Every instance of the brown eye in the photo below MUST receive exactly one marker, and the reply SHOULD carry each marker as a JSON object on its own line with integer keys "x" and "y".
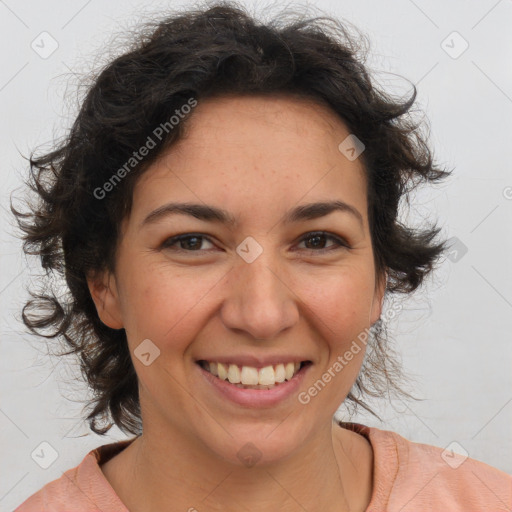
{"x": 317, "y": 241}
{"x": 189, "y": 242}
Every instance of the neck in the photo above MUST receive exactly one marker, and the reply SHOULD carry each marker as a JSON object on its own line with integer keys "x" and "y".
{"x": 331, "y": 472}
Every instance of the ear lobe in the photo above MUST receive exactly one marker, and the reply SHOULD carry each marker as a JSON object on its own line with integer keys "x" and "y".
{"x": 103, "y": 290}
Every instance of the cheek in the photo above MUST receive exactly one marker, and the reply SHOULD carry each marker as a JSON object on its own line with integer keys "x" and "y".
{"x": 340, "y": 309}
{"x": 341, "y": 303}
{"x": 164, "y": 306}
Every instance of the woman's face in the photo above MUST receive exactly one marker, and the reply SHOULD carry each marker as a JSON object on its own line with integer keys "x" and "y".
{"x": 263, "y": 290}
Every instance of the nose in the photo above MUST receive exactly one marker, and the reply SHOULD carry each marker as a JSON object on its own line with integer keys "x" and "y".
{"x": 259, "y": 300}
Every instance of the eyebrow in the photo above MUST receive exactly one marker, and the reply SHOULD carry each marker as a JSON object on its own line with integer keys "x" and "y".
{"x": 213, "y": 214}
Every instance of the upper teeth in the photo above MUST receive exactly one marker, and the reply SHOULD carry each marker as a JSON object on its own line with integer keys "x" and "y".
{"x": 250, "y": 375}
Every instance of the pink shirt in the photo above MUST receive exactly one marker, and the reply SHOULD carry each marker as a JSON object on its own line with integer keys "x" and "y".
{"x": 407, "y": 477}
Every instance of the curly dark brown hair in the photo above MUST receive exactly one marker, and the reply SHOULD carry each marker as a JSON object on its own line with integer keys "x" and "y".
{"x": 203, "y": 53}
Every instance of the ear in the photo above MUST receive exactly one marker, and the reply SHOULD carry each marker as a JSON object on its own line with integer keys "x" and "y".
{"x": 104, "y": 293}
{"x": 378, "y": 297}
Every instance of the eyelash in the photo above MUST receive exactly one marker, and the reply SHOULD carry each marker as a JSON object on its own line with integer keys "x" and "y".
{"x": 340, "y": 242}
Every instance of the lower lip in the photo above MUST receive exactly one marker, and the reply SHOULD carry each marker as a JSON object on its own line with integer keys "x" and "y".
{"x": 256, "y": 397}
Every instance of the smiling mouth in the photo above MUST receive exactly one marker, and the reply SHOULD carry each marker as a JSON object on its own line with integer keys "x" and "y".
{"x": 249, "y": 377}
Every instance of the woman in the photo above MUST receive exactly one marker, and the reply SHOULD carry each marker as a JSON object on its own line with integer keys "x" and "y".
{"x": 224, "y": 211}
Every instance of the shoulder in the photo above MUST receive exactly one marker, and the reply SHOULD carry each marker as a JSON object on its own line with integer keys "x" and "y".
{"x": 433, "y": 475}
{"x": 419, "y": 477}
{"x": 83, "y": 488}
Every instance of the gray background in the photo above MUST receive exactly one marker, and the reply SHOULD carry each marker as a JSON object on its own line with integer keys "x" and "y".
{"x": 454, "y": 336}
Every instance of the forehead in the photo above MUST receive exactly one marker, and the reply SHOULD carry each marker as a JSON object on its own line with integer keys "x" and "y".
{"x": 277, "y": 112}
{"x": 259, "y": 150}
{"x": 271, "y": 124}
